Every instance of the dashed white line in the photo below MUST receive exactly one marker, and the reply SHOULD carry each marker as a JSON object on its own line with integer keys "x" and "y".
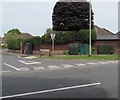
{"x": 67, "y": 65}
{"x": 5, "y": 71}
{"x": 23, "y": 69}
{"x": 101, "y": 62}
{"x": 53, "y": 66}
{"x": 39, "y": 68}
{"x": 116, "y": 61}
{"x": 51, "y": 90}
{"x": 111, "y": 62}
{"x": 92, "y": 63}
{"x": 81, "y": 64}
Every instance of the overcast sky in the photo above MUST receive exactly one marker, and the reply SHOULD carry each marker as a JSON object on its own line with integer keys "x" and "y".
{"x": 35, "y": 17}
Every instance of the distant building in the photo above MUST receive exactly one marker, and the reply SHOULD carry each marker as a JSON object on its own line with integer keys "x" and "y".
{"x": 105, "y": 37}
{"x": 118, "y": 34}
{"x": 25, "y": 36}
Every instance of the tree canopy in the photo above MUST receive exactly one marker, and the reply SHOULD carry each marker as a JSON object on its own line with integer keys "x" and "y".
{"x": 12, "y": 40}
{"x": 71, "y": 16}
{"x": 14, "y": 31}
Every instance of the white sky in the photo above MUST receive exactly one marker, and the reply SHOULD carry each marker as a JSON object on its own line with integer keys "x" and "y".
{"x": 35, "y": 17}
{"x": 54, "y": 0}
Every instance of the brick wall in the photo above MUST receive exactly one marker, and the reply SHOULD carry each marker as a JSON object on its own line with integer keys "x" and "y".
{"x": 60, "y": 48}
{"x": 56, "y": 47}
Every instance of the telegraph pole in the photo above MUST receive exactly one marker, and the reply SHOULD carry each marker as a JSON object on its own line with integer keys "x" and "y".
{"x": 90, "y": 29}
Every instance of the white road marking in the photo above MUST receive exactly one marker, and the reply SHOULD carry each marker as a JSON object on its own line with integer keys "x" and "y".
{"x": 5, "y": 71}
{"x": 18, "y": 69}
{"x": 116, "y": 61}
{"x": 38, "y": 68}
{"x": 108, "y": 62}
{"x": 11, "y": 66}
{"x": 111, "y": 61}
{"x": 67, "y": 65}
{"x": 51, "y": 90}
{"x": 53, "y": 66}
{"x": 81, "y": 64}
{"x": 29, "y": 63}
{"x": 23, "y": 69}
{"x": 19, "y": 56}
{"x": 92, "y": 63}
{"x": 101, "y": 62}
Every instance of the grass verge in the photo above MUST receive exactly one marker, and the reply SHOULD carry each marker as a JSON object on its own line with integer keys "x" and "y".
{"x": 93, "y": 57}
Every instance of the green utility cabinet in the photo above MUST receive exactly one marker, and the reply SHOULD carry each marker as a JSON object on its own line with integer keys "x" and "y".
{"x": 71, "y": 52}
{"x": 73, "y": 49}
{"x": 84, "y": 49}
{"x": 76, "y": 49}
{"x": 28, "y": 48}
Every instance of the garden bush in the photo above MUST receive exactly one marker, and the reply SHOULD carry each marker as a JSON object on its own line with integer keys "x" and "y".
{"x": 93, "y": 51}
{"x": 66, "y": 52}
{"x": 12, "y": 41}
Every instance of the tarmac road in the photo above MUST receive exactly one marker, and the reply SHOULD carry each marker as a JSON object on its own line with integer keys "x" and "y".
{"x": 40, "y": 78}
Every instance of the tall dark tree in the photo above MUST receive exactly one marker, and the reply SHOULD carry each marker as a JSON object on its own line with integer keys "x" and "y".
{"x": 71, "y": 15}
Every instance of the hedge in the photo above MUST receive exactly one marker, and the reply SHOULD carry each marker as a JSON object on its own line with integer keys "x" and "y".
{"x": 64, "y": 37}
{"x": 33, "y": 40}
{"x": 105, "y": 49}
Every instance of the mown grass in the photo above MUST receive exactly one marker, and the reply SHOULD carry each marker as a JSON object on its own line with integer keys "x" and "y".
{"x": 93, "y": 57}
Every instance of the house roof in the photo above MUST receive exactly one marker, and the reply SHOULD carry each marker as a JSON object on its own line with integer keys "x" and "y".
{"x": 104, "y": 34}
{"x": 25, "y": 36}
{"x": 118, "y": 34}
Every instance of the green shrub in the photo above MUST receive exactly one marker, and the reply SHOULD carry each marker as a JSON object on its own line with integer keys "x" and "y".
{"x": 0, "y": 45}
{"x": 12, "y": 41}
{"x": 93, "y": 51}
{"x": 105, "y": 49}
{"x": 4, "y": 46}
{"x": 14, "y": 31}
{"x": 83, "y": 35}
{"x": 42, "y": 40}
{"x": 66, "y": 52}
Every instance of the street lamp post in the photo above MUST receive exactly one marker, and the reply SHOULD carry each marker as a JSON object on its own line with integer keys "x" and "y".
{"x": 90, "y": 28}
